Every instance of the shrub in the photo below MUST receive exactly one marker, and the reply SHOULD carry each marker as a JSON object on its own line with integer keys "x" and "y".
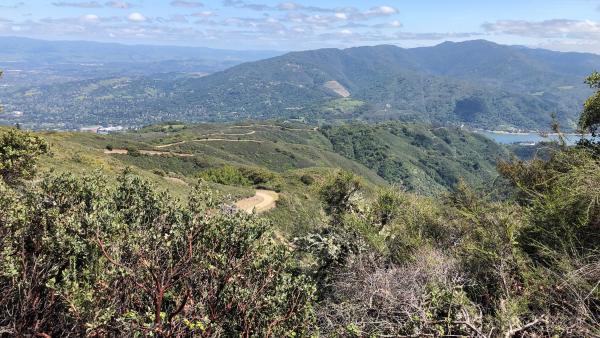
{"x": 133, "y": 151}
{"x": 132, "y": 261}
{"x": 159, "y": 172}
{"x": 19, "y": 151}
{"x": 307, "y": 179}
{"x": 227, "y": 175}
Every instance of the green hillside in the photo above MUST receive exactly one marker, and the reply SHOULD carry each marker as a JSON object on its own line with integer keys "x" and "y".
{"x": 143, "y": 252}
{"x": 420, "y": 158}
{"x": 291, "y": 158}
{"x": 478, "y": 83}
{"x": 137, "y": 234}
{"x": 426, "y": 160}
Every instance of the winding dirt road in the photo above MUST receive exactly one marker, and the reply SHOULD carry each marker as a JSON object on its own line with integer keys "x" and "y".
{"x": 263, "y": 200}
{"x": 146, "y": 152}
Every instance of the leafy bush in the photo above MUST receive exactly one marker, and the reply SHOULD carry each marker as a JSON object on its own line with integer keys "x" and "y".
{"x": 242, "y": 176}
{"x": 18, "y": 154}
{"x": 133, "y": 151}
{"x": 307, "y": 179}
{"x": 227, "y": 175}
{"x": 80, "y": 258}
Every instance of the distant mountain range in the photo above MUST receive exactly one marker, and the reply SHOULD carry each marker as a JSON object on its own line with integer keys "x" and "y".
{"x": 478, "y": 83}
{"x": 49, "y": 62}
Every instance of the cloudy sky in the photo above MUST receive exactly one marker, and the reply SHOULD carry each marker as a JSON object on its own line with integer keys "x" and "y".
{"x": 572, "y": 25}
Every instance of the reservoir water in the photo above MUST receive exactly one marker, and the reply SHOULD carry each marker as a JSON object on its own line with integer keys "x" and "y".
{"x": 528, "y": 138}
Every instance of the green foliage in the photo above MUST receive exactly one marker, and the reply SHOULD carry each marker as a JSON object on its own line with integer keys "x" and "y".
{"x": 338, "y": 193}
{"x": 386, "y": 207}
{"x": 307, "y": 179}
{"x": 425, "y": 160}
{"x": 562, "y": 198}
{"x": 475, "y": 82}
{"x": 18, "y": 154}
{"x": 81, "y": 258}
{"x": 133, "y": 151}
{"x": 590, "y": 119}
{"x": 84, "y": 257}
{"x": 242, "y": 176}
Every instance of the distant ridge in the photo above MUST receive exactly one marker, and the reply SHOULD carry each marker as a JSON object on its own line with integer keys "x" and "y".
{"x": 27, "y": 49}
{"x": 477, "y": 83}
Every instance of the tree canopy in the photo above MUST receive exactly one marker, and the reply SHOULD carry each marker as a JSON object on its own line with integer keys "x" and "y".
{"x": 590, "y": 119}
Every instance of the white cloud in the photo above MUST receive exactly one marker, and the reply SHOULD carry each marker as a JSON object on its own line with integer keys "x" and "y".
{"x": 289, "y": 6}
{"x": 136, "y": 17}
{"x": 381, "y": 10}
{"x": 204, "y": 14}
{"x": 341, "y": 16}
{"x": 557, "y": 28}
{"x": 90, "y": 18}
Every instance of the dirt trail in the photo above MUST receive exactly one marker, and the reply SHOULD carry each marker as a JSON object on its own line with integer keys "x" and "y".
{"x": 251, "y": 132}
{"x": 170, "y": 144}
{"x": 277, "y": 127}
{"x": 147, "y": 152}
{"x": 176, "y": 180}
{"x": 116, "y": 151}
{"x": 211, "y": 139}
{"x": 264, "y": 200}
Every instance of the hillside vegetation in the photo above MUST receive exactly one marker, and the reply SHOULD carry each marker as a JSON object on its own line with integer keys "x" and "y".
{"x": 416, "y": 157}
{"x": 478, "y": 83}
{"x": 86, "y": 254}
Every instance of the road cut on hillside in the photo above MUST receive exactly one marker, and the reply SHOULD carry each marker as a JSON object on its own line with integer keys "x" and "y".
{"x": 263, "y": 200}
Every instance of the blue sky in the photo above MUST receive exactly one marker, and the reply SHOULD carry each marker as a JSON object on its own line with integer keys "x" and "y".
{"x": 568, "y": 25}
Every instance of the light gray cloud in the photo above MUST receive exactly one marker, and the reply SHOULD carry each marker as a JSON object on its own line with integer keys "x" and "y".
{"x": 294, "y": 6}
{"x": 87, "y": 4}
{"x": 178, "y": 18}
{"x": 243, "y": 4}
{"x": 186, "y": 4}
{"x": 204, "y": 14}
{"x": 343, "y": 13}
{"x": 557, "y": 28}
{"x": 119, "y": 4}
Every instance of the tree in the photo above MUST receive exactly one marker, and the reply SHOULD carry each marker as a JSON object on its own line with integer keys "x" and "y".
{"x": 590, "y": 119}
{"x": 331, "y": 245}
{"x": 337, "y": 193}
{"x": 19, "y": 152}
{"x": 386, "y": 207}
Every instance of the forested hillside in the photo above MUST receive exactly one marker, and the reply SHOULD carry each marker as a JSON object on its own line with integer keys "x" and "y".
{"x": 415, "y": 157}
{"x": 477, "y": 83}
{"x": 114, "y": 253}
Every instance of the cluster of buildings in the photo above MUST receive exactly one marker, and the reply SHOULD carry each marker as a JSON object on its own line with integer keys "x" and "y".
{"x": 101, "y": 129}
